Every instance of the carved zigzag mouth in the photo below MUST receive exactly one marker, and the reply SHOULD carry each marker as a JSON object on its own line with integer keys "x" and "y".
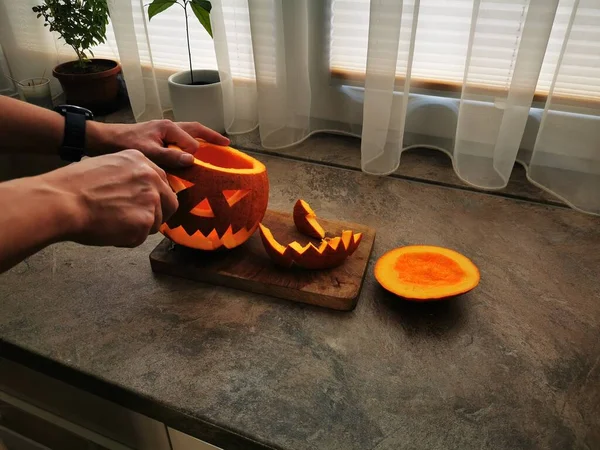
{"x": 211, "y": 241}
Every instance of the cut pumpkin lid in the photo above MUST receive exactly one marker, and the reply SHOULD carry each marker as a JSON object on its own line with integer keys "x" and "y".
{"x": 423, "y": 272}
{"x": 306, "y": 221}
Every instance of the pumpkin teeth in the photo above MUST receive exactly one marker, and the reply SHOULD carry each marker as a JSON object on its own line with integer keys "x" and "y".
{"x": 346, "y": 238}
{"x": 334, "y": 242}
{"x": 212, "y": 241}
{"x": 322, "y": 246}
{"x": 328, "y": 254}
{"x": 231, "y": 239}
{"x": 356, "y": 238}
{"x": 299, "y": 248}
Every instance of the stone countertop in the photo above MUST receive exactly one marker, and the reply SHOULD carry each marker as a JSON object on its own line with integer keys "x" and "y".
{"x": 513, "y": 364}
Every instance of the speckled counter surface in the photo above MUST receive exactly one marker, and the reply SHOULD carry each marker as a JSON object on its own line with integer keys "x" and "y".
{"x": 513, "y": 364}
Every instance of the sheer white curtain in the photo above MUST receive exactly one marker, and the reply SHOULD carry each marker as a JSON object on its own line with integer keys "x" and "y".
{"x": 488, "y": 82}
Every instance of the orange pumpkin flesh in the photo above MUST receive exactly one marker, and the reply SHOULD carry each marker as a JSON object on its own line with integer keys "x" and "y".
{"x": 328, "y": 254}
{"x": 305, "y": 220}
{"x": 222, "y": 198}
{"x": 426, "y": 272}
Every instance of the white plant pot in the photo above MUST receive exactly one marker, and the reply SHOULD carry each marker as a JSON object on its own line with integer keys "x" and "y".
{"x": 198, "y": 103}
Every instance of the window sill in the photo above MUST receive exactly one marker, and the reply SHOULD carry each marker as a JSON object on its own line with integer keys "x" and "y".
{"x": 420, "y": 164}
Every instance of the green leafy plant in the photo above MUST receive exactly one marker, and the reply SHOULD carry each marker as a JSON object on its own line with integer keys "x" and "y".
{"x": 200, "y": 8}
{"x": 80, "y": 23}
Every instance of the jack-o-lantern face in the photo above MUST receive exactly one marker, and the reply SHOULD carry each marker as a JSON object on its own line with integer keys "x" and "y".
{"x": 222, "y": 199}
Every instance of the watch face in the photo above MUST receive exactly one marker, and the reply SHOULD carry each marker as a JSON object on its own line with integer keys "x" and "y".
{"x": 63, "y": 109}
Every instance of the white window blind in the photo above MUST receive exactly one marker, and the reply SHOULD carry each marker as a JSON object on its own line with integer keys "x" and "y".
{"x": 167, "y": 40}
{"x": 442, "y": 39}
{"x": 168, "y": 43}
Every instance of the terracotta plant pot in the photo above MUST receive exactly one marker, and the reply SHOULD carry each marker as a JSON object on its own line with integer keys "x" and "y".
{"x": 97, "y": 90}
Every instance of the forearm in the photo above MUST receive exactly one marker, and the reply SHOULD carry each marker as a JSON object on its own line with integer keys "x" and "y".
{"x": 34, "y": 215}
{"x": 26, "y": 128}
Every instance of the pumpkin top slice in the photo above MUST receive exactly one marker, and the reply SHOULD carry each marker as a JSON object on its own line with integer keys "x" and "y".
{"x": 426, "y": 272}
{"x": 305, "y": 220}
{"x": 224, "y": 159}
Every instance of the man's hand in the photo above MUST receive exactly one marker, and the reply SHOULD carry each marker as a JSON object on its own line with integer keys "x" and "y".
{"x": 151, "y": 138}
{"x": 116, "y": 199}
{"x": 119, "y": 199}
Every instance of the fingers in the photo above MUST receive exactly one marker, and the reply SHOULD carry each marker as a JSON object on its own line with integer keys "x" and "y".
{"x": 198, "y": 130}
{"x": 172, "y": 134}
{"x": 170, "y": 158}
{"x": 167, "y": 203}
{"x": 161, "y": 173}
{"x": 158, "y": 217}
{"x": 168, "y": 198}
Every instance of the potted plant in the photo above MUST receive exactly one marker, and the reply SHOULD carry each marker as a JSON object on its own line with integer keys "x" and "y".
{"x": 90, "y": 83}
{"x": 195, "y": 94}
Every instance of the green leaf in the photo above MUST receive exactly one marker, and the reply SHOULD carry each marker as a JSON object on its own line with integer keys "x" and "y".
{"x": 202, "y": 9}
{"x": 158, "y": 6}
{"x": 205, "y": 4}
{"x": 80, "y": 23}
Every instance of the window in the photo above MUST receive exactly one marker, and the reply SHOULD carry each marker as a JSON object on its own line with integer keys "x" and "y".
{"x": 168, "y": 43}
{"x": 167, "y": 40}
{"x": 442, "y": 39}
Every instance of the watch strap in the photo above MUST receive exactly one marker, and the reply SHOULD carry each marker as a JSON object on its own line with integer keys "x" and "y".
{"x": 74, "y": 137}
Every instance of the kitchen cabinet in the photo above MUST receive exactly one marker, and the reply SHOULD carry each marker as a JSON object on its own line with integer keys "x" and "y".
{"x": 59, "y": 416}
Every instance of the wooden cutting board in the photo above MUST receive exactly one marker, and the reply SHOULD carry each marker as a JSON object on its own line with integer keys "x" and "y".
{"x": 249, "y": 268}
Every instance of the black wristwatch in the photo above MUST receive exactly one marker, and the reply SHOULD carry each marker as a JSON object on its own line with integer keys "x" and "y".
{"x": 73, "y": 146}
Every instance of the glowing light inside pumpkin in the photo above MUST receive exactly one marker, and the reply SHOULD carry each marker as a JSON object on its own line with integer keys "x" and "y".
{"x": 178, "y": 184}
{"x": 210, "y": 242}
{"x": 235, "y": 195}
{"x": 210, "y": 207}
{"x": 202, "y": 209}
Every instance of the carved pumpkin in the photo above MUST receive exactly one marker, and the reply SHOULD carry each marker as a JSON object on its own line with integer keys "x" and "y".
{"x": 422, "y": 272}
{"x": 331, "y": 252}
{"x": 222, "y": 198}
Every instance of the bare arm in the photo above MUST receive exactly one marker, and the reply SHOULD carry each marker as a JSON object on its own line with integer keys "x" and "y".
{"x": 109, "y": 200}
{"x": 26, "y": 128}
{"x": 34, "y": 215}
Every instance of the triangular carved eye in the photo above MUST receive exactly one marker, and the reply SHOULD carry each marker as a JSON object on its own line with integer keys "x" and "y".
{"x": 203, "y": 209}
{"x": 235, "y": 195}
{"x": 178, "y": 184}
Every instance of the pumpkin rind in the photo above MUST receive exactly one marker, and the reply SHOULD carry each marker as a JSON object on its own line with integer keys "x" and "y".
{"x": 306, "y": 222}
{"x": 278, "y": 253}
{"x": 219, "y": 206}
{"x": 330, "y": 253}
{"x": 423, "y": 272}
